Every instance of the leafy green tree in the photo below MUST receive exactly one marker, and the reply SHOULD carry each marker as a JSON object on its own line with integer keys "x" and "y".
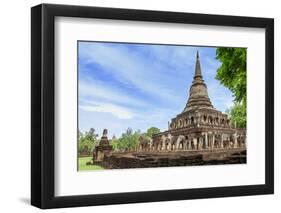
{"x": 128, "y": 140}
{"x": 87, "y": 141}
{"x": 80, "y": 136}
{"x": 232, "y": 72}
{"x": 238, "y": 116}
{"x": 91, "y": 135}
{"x": 129, "y": 131}
{"x": 151, "y": 131}
{"x": 114, "y": 142}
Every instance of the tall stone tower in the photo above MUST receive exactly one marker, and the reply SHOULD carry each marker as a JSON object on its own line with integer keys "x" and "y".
{"x": 199, "y": 111}
{"x": 199, "y": 125}
{"x": 198, "y": 94}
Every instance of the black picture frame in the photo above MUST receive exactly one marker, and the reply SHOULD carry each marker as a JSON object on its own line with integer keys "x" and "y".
{"x": 43, "y": 105}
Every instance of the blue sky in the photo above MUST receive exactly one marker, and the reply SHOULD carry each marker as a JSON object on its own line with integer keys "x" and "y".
{"x": 125, "y": 85}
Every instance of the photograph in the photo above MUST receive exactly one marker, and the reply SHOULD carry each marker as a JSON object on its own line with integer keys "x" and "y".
{"x": 145, "y": 105}
{"x": 153, "y": 105}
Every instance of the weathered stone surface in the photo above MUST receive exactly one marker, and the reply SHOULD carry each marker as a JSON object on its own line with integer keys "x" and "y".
{"x": 199, "y": 126}
{"x": 104, "y": 149}
{"x": 135, "y": 160}
{"x": 200, "y": 135}
{"x": 198, "y": 94}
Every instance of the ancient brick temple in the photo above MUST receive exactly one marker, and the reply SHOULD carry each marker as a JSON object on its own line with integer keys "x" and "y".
{"x": 102, "y": 150}
{"x": 199, "y": 127}
{"x": 200, "y": 135}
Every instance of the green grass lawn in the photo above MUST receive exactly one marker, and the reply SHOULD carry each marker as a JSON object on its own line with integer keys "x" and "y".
{"x": 83, "y": 167}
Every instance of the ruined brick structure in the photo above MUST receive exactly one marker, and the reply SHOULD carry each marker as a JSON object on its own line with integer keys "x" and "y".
{"x": 200, "y": 135}
{"x": 103, "y": 149}
{"x": 200, "y": 126}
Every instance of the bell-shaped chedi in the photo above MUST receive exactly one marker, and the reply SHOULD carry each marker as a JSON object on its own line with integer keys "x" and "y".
{"x": 199, "y": 111}
{"x": 198, "y": 94}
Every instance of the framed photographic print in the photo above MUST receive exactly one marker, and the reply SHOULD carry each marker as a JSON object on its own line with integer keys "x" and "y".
{"x": 139, "y": 106}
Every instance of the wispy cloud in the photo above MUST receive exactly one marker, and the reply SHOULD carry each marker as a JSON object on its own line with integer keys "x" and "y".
{"x": 131, "y": 68}
{"x": 139, "y": 86}
{"x": 160, "y": 53}
{"x": 115, "y": 110}
{"x": 95, "y": 89}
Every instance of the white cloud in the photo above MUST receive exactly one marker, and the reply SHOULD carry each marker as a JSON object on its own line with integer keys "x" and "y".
{"x": 95, "y": 89}
{"x": 178, "y": 56}
{"x": 131, "y": 69}
{"x": 158, "y": 77}
{"x": 115, "y": 110}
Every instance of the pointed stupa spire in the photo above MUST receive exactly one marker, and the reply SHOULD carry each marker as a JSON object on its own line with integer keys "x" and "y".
{"x": 198, "y": 94}
{"x": 198, "y": 73}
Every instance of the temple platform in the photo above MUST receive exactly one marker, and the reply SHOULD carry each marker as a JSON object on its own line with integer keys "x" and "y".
{"x": 174, "y": 158}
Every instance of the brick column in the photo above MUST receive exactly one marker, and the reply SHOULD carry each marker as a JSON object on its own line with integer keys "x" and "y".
{"x": 206, "y": 140}
{"x": 221, "y": 145}
{"x": 213, "y": 140}
{"x": 195, "y": 143}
